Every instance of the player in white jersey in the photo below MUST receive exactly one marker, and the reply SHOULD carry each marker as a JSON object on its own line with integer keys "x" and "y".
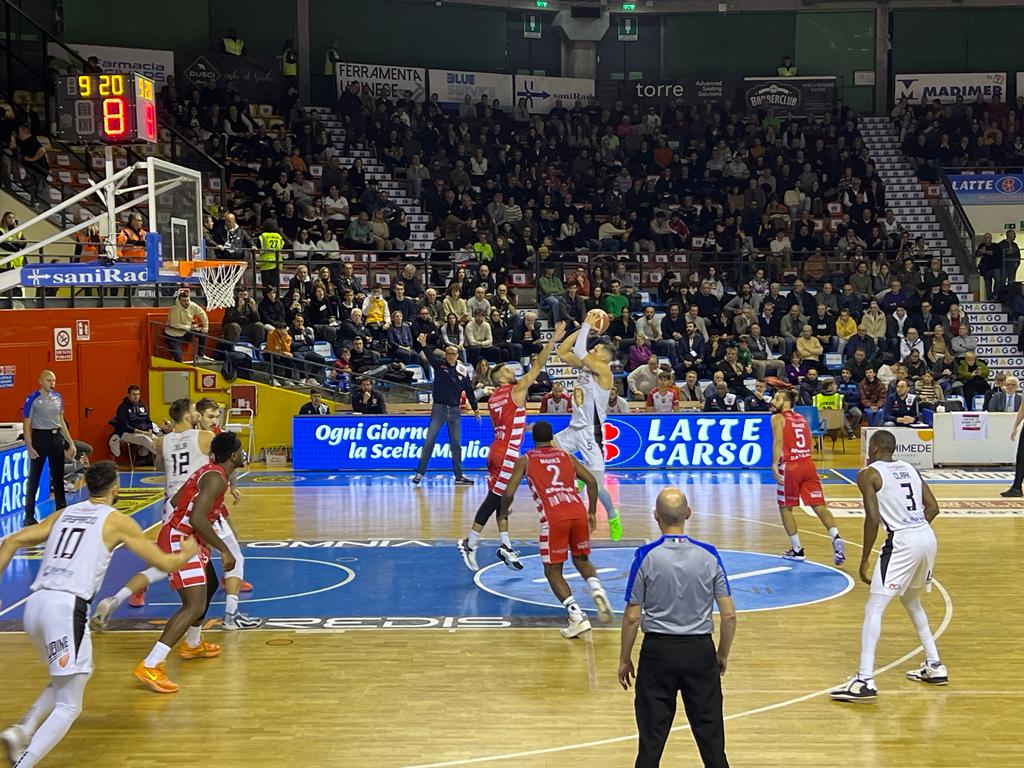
{"x": 80, "y": 540}
{"x": 585, "y": 433}
{"x": 184, "y": 450}
{"x": 895, "y": 495}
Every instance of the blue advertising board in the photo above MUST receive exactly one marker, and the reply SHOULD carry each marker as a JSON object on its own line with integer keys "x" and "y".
{"x": 663, "y": 441}
{"x": 988, "y": 188}
{"x": 14, "y": 464}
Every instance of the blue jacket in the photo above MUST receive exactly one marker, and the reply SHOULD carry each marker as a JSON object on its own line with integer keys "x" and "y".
{"x": 850, "y": 391}
{"x": 896, "y": 408}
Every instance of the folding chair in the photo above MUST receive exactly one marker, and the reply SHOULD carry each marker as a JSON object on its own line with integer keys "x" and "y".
{"x": 243, "y": 422}
{"x": 834, "y": 424}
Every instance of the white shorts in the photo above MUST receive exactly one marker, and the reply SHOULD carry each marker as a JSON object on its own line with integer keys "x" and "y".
{"x": 581, "y": 440}
{"x": 57, "y": 623}
{"x": 906, "y": 562}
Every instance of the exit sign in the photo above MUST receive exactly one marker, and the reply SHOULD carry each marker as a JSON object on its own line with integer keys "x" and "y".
{"x": 629, "y": 6}
{"x": 531, "y": 26}
{"x": 627, "y": 29}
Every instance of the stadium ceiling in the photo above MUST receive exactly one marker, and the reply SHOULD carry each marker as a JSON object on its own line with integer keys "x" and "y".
{"x": 716, "y": 6}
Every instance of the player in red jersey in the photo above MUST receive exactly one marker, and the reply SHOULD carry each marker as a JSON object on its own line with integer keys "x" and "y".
{"x": 797, "y": 476}
{"x": 565, "y": 525}
{"x": 196, "y": 507}
{"x": 507, "y": 406}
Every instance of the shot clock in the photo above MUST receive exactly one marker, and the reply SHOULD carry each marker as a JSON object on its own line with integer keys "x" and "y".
{"x": 109, "y": 108}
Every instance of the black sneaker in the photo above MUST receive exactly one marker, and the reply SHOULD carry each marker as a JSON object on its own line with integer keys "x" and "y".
{"x": 463, "y": 481}
{"x": 415, "y": 479}
{"x": 856, "y": 690}
{"x": 510, "y": 558}
{"x": 795, "y": 554}
{"x": 1012, "y": 493}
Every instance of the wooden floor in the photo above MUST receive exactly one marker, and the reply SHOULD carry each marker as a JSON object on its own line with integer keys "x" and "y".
{"x": 525, "y": 697}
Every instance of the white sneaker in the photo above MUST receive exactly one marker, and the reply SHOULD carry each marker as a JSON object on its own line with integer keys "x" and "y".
{"x": 102, "y": 614}
{"x": 855, "y": 690}
{"x": 576, "y": 628}
{"x": 15, "y": 742}
{"x": 239, "y": 620}
{"x": 468, "y": 554}
{"x": 838, "y": 551}
{"x": 604, "y": 606}
{"x": 204, "y": 359}
{"x": 510, "y": 558}
{"x": 932, "y": 674}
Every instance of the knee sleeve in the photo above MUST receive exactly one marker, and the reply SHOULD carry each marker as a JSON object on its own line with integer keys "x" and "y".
{"x": 490, "y": 505}
{"x": 238, "y": 572}
{"x": 153, "y": 575}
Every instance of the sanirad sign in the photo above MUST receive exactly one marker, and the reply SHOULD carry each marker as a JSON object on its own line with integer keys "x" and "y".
{"x": 686, "y": 90}
{"x": 542, "y": 94}
{"x": 453, "y": 86}
{"x": 45, "y": 275}
{"x": 952, "y": 87}
{"x": 385, "y": 81}
{"x": 157, "y": 65}
{"x": 779, "y": 95}
{"x": 989, "y": 189}
{"x": 643, "y": 441}
{"x": 14, "y": 466}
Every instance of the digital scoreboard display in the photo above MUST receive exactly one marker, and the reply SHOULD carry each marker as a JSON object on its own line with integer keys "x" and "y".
{"x": 109, "y": 108}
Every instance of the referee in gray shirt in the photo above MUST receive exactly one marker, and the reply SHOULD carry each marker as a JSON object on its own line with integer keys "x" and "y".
{"x": 48, "y": 441}
{"x": 673, "y": 584}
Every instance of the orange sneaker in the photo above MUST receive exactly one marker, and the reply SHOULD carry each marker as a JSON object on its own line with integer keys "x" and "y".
{"x": 204, "y": 650}
{"x": 246, "y": 586}
{"x": 154, "y": 677}
{"x": 138, "y": 600}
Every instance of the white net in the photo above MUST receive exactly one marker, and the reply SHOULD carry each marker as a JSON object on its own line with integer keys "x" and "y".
{"x": 219, "y": 281}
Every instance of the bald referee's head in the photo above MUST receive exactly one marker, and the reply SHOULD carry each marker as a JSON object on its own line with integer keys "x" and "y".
{"x": 671, "y": 510}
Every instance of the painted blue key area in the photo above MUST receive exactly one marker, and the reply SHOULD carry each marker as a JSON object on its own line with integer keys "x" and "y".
{"x": 412, "y": 580}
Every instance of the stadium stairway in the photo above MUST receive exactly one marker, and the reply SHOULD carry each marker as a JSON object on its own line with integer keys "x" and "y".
{"x": 905, "y": 194}
{"x": 419, "y": 222}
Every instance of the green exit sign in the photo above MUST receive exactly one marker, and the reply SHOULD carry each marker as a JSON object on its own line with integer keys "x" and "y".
{"x": 629, "y": 6}
{"x": 542, "y": 3}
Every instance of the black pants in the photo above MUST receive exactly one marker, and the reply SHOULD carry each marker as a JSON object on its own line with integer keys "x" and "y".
{"x": 1018, "y": 474}
{"x": 670, "y": 665}
{"x": 49, "y": 444}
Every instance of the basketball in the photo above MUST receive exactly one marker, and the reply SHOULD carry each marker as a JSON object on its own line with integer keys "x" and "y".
{"x": 599, "y": 321}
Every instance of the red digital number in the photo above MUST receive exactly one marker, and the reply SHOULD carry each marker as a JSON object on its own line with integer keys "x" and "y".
{"x": 150, "y": 121}
{"x": 115, "y": 120}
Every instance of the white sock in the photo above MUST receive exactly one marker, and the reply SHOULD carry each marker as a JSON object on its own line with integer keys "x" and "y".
{"x": 122, "y": 594}
{"x": 505, "y": 539}
{"x": 573, "y": 609}
{"x": 833, "y": 532}
{"x": 194, "y": 636}
{"x": 157, "y": 656}
{"x": 595, "y": 584}
{"x": 231, "y": 604}
{"x": 794, "y": 542}
{"x": 474, "y": 539}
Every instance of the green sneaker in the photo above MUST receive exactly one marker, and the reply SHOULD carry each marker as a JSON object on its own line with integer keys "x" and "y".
{"x": 615, "y": 526}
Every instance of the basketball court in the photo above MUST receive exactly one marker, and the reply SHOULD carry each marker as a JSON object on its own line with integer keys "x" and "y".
{"x": 381, "y": 649}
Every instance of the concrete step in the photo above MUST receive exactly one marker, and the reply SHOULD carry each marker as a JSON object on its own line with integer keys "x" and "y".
{"x": 983, "y": 306}
{"x": 985, "y": 317}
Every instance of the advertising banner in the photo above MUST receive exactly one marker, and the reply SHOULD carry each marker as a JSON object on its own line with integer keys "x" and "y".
{"x": 256, "y": 78}
{"x": 947, "y": 88}
{"x": 988, "y": 188}
{"x": 689, "y": 90}
{"x": 50, "y": 275}
{"x": 14, "y": 465}
{"x": 385, "y": 81}
{"x": 154, "y": 64}
{"x": 781, "y": 95}
{"x": 452, "y": 86}
{"x": 914, "y": 446}
{"x": 641, "y": 441}
{"x": 542, "y": 93}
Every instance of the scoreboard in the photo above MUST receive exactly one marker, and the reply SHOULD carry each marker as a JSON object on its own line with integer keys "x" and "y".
{"x": 108, "y": 108}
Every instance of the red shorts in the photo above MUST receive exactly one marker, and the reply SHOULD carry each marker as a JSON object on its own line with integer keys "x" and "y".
{"x": 192, "y": 573}
{"x": 501, "y": 459}
{"x": 558, "y": 536}
{"x": 800, "y": 482}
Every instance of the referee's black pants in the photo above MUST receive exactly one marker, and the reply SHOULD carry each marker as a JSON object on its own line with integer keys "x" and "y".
{"x": 1018, "y": 473}
{"x": 49, "y": 445}
{"x": 670, "y": 665}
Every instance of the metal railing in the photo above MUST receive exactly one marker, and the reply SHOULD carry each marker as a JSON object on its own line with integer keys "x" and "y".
{"x": 252, "y": 362}
{"x": 950, "y": 203}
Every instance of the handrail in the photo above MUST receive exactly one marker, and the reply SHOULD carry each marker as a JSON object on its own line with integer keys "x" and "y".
{"x": 961, "y": 221}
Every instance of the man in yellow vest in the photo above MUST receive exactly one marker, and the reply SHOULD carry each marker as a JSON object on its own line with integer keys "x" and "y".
{"x": 13, "y": 244}
{"x": 289, "y": 62}
{"x": 788, "y": 68}
{"x": 332, "y": 57}
{"x": 271, "y": 242}
{"x": 231, "y": 44}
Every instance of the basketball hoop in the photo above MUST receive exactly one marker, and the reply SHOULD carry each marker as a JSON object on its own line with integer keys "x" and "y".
{"x": 217, "y": 278}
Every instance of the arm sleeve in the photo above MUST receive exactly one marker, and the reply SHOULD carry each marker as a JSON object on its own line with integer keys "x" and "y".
{"x": 579, "y": 348}
{"x": 26, "y": 411}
